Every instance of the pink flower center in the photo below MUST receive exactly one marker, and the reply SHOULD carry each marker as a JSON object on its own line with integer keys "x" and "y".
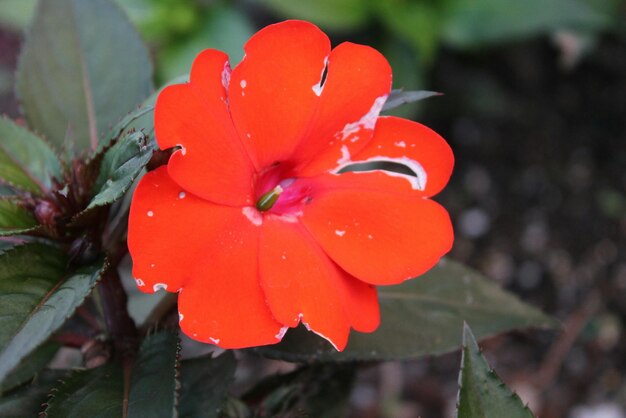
{"x": 280, "y": 193}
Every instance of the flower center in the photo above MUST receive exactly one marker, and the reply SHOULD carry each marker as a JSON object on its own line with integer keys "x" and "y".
{"x": 281, "y": 194}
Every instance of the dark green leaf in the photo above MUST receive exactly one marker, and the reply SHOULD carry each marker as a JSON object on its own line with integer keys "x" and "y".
{"x": 472, "y": 23}
{"x": 31, "y": 365}
{"x": 82, "y": 68}
{"x": 205, "y": 383}
{"x": 320, "y": 391}
{"x": 481, "y": 392}
{"x": 95, "y": 393}
{"x": 153, "y": 384}
{"x": 27, "y": 402}
{"x": 120, "y": 166}
{"x": 37, "y": 295}
{"x": 225, "y": 29}
{"x": 26, "y": 161}
{"x": 331, "y": 14}
{"x": 15, "y": 218}
{"x": 401, "y": 97}
{"x": 422, "y": 317}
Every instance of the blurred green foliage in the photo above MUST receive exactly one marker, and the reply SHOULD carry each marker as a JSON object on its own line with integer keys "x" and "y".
{"x": 408, "y": 32}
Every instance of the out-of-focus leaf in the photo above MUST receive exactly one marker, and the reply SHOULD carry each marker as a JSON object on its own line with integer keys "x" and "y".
{"x": 205, "y": 382}
{"x": 95, "y": 393}
{"x": 153, "y": 389}
{"x": 320, "y": 391}
{"x": 83, "y": 67}
{"x": 27, "y": 402}
{"x": 121, "y": 165}
{"x": 472, "y": 23}
{"x": 225, "y": 29}
{"x": 26, "y": 161}
{"x": 422, "y": 317}
{"x": 16, "y": 14}
{"x": 37, "y": 294}
{"x": 481, "y": 392}
{"x": 419, "y": 23}
{"x": 407, "y": 74}
{"x": 336, "y": 15}
{"x": 30, "y": 365}
{"x": 400, "y": 97}
{"x": 15, "y": 218}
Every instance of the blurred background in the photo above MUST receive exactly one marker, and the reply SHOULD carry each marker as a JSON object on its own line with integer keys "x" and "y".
{"x": 534, "y": 108}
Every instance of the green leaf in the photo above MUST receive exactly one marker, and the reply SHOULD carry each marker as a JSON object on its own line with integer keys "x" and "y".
{"x": 473, "y": 23}
{"x": 82, "y": 68}
{"x": 154, "y": 384}
{"x": 15, "y": 218}
{"x": 31, "y": 365}
{"x": 331, "y": 14}
{"x": 26, "y": 161}
{"x": 205, "y": 382}
{"x": 422, "y": 317}
{"x": 419, "y": 23}
{"x": 481, "y": 392}
{"x": 95, "y": 393}
{"x": 320, "y": 391}
{"x": 224, "y": 28}
{"x": 120, "y": 166}
{"x": 15, "y": 14}
{"x": 37, "y": 295}
{"x": 26, "y": 402}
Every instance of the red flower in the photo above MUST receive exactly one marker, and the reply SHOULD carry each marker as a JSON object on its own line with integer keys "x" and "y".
{"x": 251, "y": 220}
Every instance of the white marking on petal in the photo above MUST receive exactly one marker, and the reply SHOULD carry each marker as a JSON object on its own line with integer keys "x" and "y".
{"x": 214, "y": 340}
{"x": 340, "y": 233}
{"x": 150, "y": 214}
{"x": 345, "y": 155}
{"x": 182, "y": 195}
{"x": 152, "y": 265}
{"x": 140, "y": 283}
{"x": 249, "y": 135}
{"x": 281, "y": 333}
{"x": 368, "y": 121}
{"x": 180, "y": 317}
{"x": 226, "y": 75}
{"x": 183, "y": 150}
{"x": 369, "y": 236}
{"x": 253, "y": 215}
{"x": 243, "y": 84}
{"x": 159, "y": 286}
{"x": 400, "y": 144}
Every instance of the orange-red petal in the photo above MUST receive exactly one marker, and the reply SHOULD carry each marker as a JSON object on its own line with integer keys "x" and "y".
{"x": 271, "y": 91}
{"x": 356, "y": 87}
{"x": 178, "y": 240}
{"x": 380, "y": 237}
{"x": 212, "y": 162}
{"x": 413, "y": 145}
{"x": 302, "y": 284}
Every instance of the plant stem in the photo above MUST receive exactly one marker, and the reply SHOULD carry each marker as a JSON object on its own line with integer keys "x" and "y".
{"x": 120, "y": 326}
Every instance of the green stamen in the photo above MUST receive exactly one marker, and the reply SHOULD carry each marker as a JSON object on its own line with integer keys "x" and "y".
{"x": 266, "y": 201}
